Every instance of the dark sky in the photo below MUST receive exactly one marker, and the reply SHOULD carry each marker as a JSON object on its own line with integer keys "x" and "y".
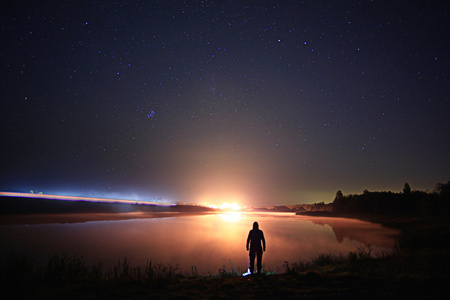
{"x": 258, "y": 102}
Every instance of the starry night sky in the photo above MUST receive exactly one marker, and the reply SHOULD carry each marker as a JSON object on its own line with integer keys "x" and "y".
{"x": 262, "y": 102}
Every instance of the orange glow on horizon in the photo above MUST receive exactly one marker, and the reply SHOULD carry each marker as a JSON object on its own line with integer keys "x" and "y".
{"x": 231, "y": 206}
{"x": 226, "y": 206}
{"x": 222, "y": 201}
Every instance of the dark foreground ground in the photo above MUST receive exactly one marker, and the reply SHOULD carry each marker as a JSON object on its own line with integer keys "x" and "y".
{"x": 281, "y": 286}
{"x": 417, "y": 270}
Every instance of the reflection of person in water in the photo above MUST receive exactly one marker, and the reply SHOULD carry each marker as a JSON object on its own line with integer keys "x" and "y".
{"x": 255, "y": 236}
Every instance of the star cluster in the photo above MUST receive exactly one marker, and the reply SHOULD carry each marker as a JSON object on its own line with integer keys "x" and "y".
{"x": 274, "y": 101}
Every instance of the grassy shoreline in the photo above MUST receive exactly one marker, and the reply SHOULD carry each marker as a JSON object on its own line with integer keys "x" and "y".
{"x": 354, "y": 276}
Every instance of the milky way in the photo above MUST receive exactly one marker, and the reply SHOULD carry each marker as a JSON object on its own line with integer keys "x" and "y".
{"x": 265, "y": 102}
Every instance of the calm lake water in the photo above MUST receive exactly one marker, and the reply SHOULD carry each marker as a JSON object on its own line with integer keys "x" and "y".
{"x": 208, "y": 242}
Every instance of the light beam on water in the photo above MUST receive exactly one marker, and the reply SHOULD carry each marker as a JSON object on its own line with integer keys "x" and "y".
{"x": 208, "y": 242}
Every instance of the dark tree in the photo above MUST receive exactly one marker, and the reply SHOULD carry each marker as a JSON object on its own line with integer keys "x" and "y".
{"x": 443, "y": 192}
{"x": 406, "y": 189}
{"x": 443, "y": 189}
{"x": 339, "y": 203}
{"x": 339, "y": 195}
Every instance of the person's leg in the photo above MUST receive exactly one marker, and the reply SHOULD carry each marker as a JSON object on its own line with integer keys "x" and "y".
{"x": 252, "y": 261}
{"x": 259, "y": 261}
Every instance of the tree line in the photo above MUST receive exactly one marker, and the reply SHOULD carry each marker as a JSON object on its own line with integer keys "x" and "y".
{"x": 407, "y": 202}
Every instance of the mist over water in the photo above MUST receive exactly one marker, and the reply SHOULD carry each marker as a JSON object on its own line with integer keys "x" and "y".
{"x": 208, "y": 242}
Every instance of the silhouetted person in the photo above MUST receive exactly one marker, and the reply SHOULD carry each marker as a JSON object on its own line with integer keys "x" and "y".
{"x": 255, "y": 236}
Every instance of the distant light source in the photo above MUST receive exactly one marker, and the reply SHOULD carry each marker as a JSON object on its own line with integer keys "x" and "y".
{"x": 232, "y": 206}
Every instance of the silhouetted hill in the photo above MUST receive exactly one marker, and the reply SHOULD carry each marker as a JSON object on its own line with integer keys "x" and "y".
{"x": 297, "y": 208}
{"x": 18, "y": 205}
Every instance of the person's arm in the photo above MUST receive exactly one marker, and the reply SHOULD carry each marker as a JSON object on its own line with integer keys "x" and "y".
{"x": 248, "y": 240}
{"x": 264, "y": 241}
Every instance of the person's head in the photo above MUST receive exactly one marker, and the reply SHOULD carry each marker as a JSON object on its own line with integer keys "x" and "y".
{"x": 255, "y": 225}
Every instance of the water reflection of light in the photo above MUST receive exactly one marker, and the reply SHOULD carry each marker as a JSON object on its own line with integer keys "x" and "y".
{"x": 231, "y": 216}
{"x": 197, "y": 240}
